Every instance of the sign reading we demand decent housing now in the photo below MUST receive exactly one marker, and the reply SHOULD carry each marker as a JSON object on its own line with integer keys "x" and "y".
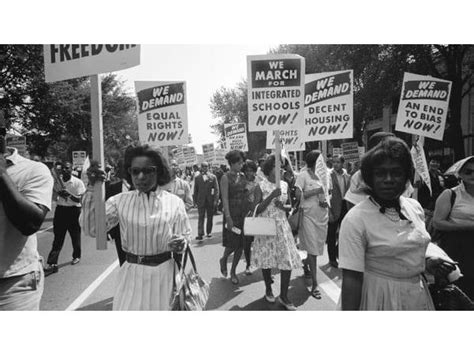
{"x": 236, "y": 136}
{"x": 423, "y": 106}
{"x": 275, "y": 91}
{"x": 329, "y": 112}
{"x": 162, "y": 113}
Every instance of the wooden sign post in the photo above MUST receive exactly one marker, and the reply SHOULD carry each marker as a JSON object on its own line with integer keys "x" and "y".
{"x": 277, "y": 158}
{"x": 98, "y": 155}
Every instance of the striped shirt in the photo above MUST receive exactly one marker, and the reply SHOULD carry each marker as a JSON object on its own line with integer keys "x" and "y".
{"x": 147, "y": 223}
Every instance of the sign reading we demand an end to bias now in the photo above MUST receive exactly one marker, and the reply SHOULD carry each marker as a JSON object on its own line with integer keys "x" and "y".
{"x": 236, "y": 136}
{"x": 423, "y": 106}
{"x": 275, "y": 91}
{"x": 69, "y": 61}
{"x": 329, "y": 106}
{"x": 162, "y": 113}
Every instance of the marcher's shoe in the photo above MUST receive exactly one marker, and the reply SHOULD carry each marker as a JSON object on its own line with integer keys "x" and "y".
{"x": 75, "y": 261}
{"x": 248, "y": 271}
{"x": 234, "y": 279}
{"x": 269, "y": 298}
{"x": 334, "y": 264}
{"x": 289, "y": 306}
{"x": 199, "y": 238}
{"x": 50, "y": 269}
{"x": 209, "y": 236}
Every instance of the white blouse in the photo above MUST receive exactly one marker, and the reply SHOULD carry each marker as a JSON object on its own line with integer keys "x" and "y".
{"x": 147, "y": 223}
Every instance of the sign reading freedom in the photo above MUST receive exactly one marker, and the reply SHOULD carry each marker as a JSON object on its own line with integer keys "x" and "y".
{"x": 69, "y": 61}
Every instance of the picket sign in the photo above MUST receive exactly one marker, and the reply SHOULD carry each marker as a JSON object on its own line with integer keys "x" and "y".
{"x": 69, "y": 61}
{"x": 277, "y": 158}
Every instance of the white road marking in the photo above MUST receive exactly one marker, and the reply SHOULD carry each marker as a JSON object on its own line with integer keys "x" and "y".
{"x": 44, "y": 230}
{"x": 328, "y": 286}
{"x": 88, "y": 291}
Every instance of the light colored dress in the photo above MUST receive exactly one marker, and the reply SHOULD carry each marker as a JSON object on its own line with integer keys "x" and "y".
{"x": 314, "y": 225}
{"x": 390, "y": 253}
{"x": 147, "y": 224}
{"x": 276, "y": 251}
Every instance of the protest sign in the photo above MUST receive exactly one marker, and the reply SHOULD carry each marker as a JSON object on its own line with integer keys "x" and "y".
{"x": 68, "y": 61}
{"x": 290, "y": 139}
{"x": 321, "y": 171}
{"x": 423, "y": 106}
{"x": 336, "y": 151}
{"x": 178, "y": 155}
{"x": 275, "y": 91}
{"x": 419, "y": 161}
{"x": 17, "y": 142}
{"x": 189, "y": 154}
{"x": 78, "y": 158}
{"x": 350, "y": 151}
{"x": 329, "y": 106}
{"x": 236, "y": 136}
{"x": 208, "y": 152}
{"x": 220, "y": 157}
{"x": 162, "y": 113}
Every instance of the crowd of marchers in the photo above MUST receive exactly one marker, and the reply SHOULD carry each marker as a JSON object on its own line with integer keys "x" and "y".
{"x": 400, "y": 244}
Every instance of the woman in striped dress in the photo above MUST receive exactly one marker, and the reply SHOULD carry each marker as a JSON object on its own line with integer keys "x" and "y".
{"x": 153, "y": 223}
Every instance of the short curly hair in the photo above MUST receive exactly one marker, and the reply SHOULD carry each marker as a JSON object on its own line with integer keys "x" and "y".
{"x": 390, "y": 148}
{"x": 311, "y": 158}
{"x": 268, "y": 164}
{"x": 163, "y": 174}
{"x": 249, "y": 165}
{"x": 234, "y": 156}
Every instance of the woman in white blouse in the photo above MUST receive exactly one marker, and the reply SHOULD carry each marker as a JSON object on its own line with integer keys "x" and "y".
{"x": 383, "y": 240}
{"x": 153, "y": 224}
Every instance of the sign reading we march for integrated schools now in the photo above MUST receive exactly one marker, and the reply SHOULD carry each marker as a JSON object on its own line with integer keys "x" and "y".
{"x": 68, "y": 61}
{"x": 329, "y": 106}
{"x": 423, "y": 106}
{"x": 291, "y": 140}
{"x": 236, "y": 136}
{"x": 275, "y": 91}
{"x": 162, "y": 113}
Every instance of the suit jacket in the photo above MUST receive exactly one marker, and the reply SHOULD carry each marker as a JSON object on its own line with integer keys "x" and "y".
{"x": 206, "y": 193}
{"x": 337, "y": 198}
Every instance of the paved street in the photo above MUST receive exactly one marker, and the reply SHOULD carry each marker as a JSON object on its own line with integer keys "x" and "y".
{"x": 89, "y": 285}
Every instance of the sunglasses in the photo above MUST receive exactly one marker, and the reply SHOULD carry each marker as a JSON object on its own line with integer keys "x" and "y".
{"x": 146, "y": 171}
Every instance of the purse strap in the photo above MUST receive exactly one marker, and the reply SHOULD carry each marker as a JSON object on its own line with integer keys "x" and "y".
{"x": 188, "y": 254}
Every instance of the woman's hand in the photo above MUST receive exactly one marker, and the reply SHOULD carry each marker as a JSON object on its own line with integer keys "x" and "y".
{"x": 275, "y": 193}
{"x": 439, "y": 267}
{"x": 94, "y": 173}
{"x": 229, "y": 222}
{"x": 177, "y": 243}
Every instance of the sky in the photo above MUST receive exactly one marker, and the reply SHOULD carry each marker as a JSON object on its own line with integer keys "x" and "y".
{"x": 205, "y": 68}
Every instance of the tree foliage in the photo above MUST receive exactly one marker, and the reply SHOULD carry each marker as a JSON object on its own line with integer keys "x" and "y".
{"x": 378, "y": 76}
{"x": 230, "y": 106}
{"x": 56, "y": 117}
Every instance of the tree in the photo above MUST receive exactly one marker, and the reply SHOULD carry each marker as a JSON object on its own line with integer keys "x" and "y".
{"x": 230, "y": 106}
{"x": 55, "y": 117}
{"x": 378, "y": 75}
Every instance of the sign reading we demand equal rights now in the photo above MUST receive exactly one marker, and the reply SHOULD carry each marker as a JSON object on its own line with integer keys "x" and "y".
{"x": 275, "y": 91}
{"x": 329, "y": 106}
{"x": 236, "y": 136}
{"x": 162, "y": 113}
{"x": 423, "y": 106}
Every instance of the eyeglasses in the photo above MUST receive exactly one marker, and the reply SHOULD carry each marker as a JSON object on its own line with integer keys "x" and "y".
{"x": 146, "y": 171}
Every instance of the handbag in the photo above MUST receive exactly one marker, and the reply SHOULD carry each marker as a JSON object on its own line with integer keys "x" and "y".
{"x": 190, "y": 291}
{"x": 260, "y": 226}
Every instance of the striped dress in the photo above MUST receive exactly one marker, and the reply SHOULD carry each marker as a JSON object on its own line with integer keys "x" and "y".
{"x": 146, "y": 226}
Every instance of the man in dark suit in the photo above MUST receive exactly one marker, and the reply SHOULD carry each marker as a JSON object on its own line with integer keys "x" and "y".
{"x": 340, "y": 180}
{"x": 206, "y": 197}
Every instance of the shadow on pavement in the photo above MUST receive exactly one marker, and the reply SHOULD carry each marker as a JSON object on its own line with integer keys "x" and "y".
{"x": 331, "y": 272}
{"x": 221, "y": 291}
{"x": 259, "y": 305}
{"x": 104, "y": 305}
